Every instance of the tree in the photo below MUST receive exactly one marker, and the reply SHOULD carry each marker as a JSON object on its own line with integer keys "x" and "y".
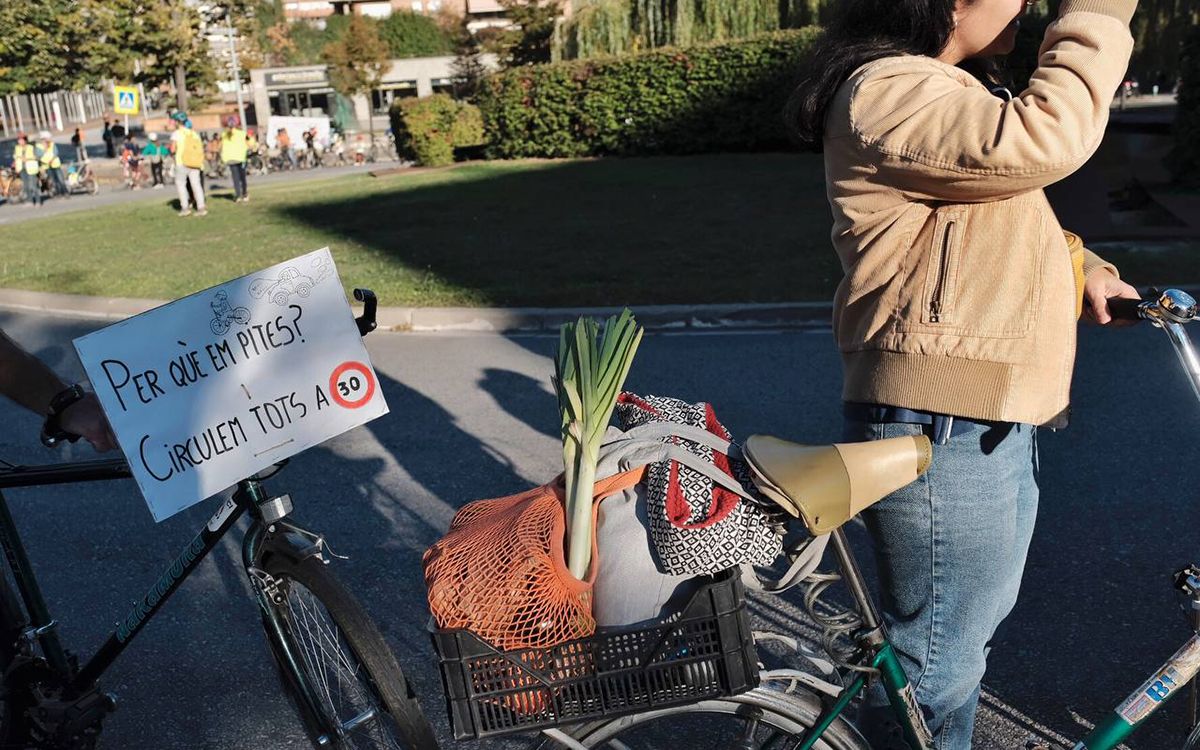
{"x": 409, "y": 34}
{"x": 529, "y": 40}
{"x": 33, "y": 46}
{"x": 357, "y": 62}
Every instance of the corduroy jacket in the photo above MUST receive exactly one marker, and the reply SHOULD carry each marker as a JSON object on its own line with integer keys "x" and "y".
{"x": 959, "y": 295}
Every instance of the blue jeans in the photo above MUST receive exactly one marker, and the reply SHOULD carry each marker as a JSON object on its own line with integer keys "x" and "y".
{"x": 951, "y": 550}
{"x": 32, "y": 187}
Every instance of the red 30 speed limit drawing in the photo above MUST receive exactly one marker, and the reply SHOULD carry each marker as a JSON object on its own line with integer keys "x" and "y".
{"x": 352, "y": 385}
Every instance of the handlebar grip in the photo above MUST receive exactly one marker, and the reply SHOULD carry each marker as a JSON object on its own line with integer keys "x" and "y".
{"x": 53, "y": 434}
{"x": 366, "y": 321}
{"x": 1125, "y": 309}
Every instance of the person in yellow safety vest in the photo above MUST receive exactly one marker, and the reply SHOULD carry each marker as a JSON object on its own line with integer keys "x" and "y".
{"x": 25, "y": 161}
{"x": 49, "y": 159}
{"x": 233, "y": 153}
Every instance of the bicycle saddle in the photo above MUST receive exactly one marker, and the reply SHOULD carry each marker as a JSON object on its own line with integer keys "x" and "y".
{"x": 827, "y": 485}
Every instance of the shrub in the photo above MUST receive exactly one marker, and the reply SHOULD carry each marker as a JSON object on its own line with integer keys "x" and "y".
{"x": 1184, "y": 161}
{"x": 428, "y": 130}
{"x": 409, "y": 34}
{"x": 726, "y": 96}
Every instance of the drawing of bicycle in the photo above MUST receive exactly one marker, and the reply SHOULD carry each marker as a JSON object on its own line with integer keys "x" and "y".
{"x": 225, "y": 314}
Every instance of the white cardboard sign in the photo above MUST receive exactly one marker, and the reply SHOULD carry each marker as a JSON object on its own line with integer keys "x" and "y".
{"x": 212, "y": 388}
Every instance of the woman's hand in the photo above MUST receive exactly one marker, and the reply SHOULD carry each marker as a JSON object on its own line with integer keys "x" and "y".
{"x": 1098, "y": 289}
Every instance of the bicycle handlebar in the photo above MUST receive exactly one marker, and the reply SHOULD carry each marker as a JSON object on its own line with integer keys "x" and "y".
{"x": 1169, "y": 311}
{"x": 1126, "y": 309}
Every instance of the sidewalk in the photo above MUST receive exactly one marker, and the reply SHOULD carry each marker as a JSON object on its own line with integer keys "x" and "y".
{"x": 482, "y": 319}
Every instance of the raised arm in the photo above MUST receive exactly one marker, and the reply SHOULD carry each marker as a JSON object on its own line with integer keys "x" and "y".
{"x": 937, "y": 137}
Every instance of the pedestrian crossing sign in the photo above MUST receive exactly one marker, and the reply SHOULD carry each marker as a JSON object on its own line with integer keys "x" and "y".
{"x": 125, "y": 100}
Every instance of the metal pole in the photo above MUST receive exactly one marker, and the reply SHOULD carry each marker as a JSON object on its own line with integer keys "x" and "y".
{"x": 3, "y": 117}
{"x": 137, "y": 71}
{"x": 237, "y": 77}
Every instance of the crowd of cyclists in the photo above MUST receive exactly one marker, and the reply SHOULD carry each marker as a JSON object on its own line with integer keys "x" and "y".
{"x": 38, "y": 173}
{"x": 150, "y": 164}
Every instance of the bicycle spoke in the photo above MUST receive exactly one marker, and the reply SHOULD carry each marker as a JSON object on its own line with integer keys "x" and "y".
{"x": 339, "y": 678}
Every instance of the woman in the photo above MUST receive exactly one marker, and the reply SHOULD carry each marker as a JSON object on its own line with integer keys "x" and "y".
{"x": 956, "y": 316}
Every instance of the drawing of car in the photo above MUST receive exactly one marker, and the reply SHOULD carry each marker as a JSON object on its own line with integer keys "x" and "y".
{"x": 280, "y": 290}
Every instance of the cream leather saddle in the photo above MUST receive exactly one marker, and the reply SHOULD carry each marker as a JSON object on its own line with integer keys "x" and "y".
{"x": 827, "y": 485}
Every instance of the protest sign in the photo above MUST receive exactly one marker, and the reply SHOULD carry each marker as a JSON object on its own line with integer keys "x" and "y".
{"x": 212, "y": 388}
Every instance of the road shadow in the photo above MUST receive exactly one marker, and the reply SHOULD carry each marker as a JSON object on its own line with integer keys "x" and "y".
{"x": 694, "y": 227}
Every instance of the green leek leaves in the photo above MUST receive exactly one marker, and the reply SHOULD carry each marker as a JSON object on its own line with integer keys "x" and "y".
{"x": 588, "y": 380}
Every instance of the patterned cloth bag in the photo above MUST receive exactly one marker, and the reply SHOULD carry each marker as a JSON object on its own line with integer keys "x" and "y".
{"x": 699, "y": 523}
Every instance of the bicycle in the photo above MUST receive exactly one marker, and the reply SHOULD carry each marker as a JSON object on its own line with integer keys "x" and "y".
{"x": 11, "y": 188}
{"x": 256, "y": 163}
{"x": 81, "y": 179}
{"x": 214, "y": 167}
{"x": 137, "y": 176}
{"x": 784, "y": 709}
{"x": 335, "y": 157}
{"x": 332, "y": 660}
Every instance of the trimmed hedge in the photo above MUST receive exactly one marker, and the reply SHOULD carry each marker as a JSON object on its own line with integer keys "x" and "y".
{"x": 1184, "y": 161}
{"x": 720, "y": 97}
{"x": 428, "y": 130}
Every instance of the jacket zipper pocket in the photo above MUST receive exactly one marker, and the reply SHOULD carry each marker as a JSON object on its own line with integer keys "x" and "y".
{"x": 937, "y": 301}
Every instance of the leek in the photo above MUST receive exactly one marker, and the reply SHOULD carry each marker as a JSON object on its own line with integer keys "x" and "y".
{"x": 588, "y": 380}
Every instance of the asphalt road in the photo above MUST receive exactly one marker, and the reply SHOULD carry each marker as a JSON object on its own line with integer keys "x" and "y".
{"x": 472, "y": 416}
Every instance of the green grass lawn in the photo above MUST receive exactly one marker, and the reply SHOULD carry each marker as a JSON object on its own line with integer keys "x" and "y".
{"x": 717, "y": 228}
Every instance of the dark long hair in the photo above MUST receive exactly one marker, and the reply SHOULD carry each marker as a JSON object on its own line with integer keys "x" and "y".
{"x": 863, "y": 31}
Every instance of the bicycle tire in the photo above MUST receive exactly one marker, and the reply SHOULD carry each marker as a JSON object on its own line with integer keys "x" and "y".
{"x": 376, "y": 673}
{"x": 14, "y": 727}
{"x": 1193, "y": 739}
{"x": 785, "y": 716}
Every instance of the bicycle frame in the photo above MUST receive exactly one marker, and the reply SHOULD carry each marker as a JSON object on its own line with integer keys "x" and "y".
{"x": 881, "y": 657}
{"x": 248, "y": 497}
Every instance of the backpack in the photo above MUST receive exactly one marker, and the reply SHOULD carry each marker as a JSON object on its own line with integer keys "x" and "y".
{"x": 191, "y": 152}
{"x": 695, "y": 513}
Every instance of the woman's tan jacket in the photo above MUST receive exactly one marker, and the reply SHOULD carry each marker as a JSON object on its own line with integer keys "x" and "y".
{"x": 959, "y": 295}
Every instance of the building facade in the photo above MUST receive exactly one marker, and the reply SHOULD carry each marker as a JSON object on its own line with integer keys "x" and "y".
{"x": 317, "y": 10}
{"x": 305, "y": 91}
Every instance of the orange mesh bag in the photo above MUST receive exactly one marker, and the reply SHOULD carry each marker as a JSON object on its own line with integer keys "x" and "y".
{"x": 500, "y": 572}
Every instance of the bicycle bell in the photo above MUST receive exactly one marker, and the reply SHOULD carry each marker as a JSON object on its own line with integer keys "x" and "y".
{"x": 1177, "y": 306}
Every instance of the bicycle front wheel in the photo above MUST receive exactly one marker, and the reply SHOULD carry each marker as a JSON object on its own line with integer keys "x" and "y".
{"x": 762, "y": 719}
{"x": 362, "y": 697}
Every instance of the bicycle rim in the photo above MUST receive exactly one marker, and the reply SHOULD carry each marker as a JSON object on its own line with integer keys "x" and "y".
{"x": 758, "y": 720}
{"x": 351, "y": 672}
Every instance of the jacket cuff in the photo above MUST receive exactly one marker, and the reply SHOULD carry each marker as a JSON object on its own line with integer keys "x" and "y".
{"x": 1093, "y": 262}
{"x": 1122, "y": 10}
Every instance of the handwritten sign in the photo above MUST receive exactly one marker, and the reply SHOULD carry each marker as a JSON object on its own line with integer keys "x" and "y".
{"x": 212, "y": 388}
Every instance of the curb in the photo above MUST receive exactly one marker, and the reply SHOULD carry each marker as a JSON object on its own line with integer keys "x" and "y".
{"x": 475, "y": 319}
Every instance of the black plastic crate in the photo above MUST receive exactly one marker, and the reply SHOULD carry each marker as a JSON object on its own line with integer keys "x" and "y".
{"x": 706, "y": 651}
